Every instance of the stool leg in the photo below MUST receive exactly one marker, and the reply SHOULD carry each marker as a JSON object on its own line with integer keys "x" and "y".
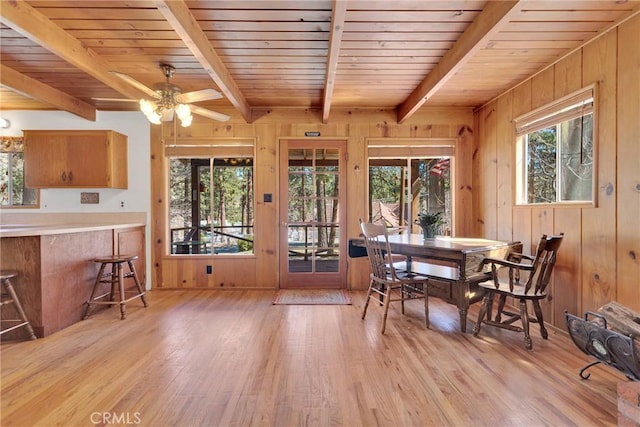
{"x": 138, "y": 285}
{"x": 114, "y": 276}
{"x": 93, "y": 291}
{"x": 123, "y": 303}
{"x": 16, "y": 302}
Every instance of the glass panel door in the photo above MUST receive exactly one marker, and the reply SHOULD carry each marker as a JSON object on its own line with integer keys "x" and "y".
{"x": 311, "y": 216}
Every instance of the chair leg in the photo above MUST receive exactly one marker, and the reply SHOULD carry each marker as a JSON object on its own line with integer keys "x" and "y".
{"x": 403, "y": 291}
{"x": 524, "y": 317}
{"x": 487, "y": 301}
{"x": 488, "y": 316}
{"x": 381, "y": 294}
{"x": 501, "y": 303}
{"x": 425, "y": 291}
{"x": 538, "y": 311}
{"x": 386, "y": 307}
{"x": 366, "y": 303}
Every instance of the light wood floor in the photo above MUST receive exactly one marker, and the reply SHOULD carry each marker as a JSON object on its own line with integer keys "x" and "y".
{"x": 231, "y": 358}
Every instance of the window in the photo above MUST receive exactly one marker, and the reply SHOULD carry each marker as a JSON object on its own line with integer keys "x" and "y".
{"x": 555, "y": 151}
{"x": 12, "y": 189}
{"x": 407, "y": 177}
{"x": 211, "y": 209}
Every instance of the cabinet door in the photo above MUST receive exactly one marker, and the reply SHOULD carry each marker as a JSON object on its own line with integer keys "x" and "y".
{"x": 75, "y": 158}
{"x": 87, "y": 157}
{"x": 45, "y": 160}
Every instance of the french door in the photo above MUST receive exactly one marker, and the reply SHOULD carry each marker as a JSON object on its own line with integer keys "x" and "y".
{"x": 312, "y": 214}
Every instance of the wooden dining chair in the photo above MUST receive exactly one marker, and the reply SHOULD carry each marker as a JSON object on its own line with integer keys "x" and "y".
{"x": 528, "y": 279}
{"x": 388, "y": 283}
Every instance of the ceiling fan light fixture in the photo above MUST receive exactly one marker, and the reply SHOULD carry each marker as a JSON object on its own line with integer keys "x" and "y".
{"x": 184, "y": 114}
{"x": 155, "y": 118}
{"x": 147, "y": 107}
{"x": 186, "y": 122}
{"x": 170, "y": 101}
{"x": 150, "y": 111}
{"x": 183, "y": 111}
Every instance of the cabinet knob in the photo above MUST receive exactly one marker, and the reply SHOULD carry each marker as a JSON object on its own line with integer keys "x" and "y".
{"x": 70, "y": 176}
{"x": 64, "y": 176}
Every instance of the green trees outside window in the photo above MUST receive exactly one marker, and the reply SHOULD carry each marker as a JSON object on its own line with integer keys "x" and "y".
{"x": 400, "y": 189}
{"x": 211, "y": 206}
{"x": 555, "y": 151}
{"x": 12, "y": 185}
{"x": 560, "y": 162}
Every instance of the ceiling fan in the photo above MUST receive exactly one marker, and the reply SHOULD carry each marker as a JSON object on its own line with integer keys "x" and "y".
{"x": 168, "y": 100}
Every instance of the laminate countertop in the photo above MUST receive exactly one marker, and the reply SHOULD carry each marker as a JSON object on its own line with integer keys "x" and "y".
{"x": 24, "y": 230}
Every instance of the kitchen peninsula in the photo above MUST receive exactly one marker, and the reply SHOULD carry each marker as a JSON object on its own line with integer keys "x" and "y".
{"x": 53, "y": 255}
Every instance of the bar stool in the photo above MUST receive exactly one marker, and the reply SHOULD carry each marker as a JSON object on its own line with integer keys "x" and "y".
{"x": 8, "y": 296}
{"x": 116, "y": 277}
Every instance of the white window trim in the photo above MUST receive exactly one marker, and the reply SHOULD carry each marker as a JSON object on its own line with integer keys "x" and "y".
{"x": 575, "y": 104}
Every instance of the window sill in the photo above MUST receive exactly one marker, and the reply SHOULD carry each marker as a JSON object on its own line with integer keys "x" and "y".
{"x": 557, "y": 205}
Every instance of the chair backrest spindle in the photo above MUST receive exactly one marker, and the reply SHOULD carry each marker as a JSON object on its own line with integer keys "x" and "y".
{"x": 543, "y": 263}
{"x": 377, "y": 244}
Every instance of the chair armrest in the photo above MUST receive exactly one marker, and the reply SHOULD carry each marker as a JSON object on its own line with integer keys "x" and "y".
{"x": 514, "y": 270}
{"x": 504, "y": 263}
{"x": 518, "y": 257}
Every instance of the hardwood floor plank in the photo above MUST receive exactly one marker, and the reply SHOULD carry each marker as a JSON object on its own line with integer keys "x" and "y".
{"x": 231, "y": 358}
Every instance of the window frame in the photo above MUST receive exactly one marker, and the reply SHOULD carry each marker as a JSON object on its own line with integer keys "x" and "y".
{"x": 554, "y": 114}
{"x": 208, "y": 149}
{"x": 11, "y": 145}
{"x": 416, "y": 149}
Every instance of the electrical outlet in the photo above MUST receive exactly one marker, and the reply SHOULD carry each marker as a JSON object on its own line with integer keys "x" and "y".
{"x": 89, "y": 198}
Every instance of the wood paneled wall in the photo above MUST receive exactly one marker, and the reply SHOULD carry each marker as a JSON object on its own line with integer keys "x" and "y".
{"x": 267, "y": 129}
{"x": 599, "y": 260}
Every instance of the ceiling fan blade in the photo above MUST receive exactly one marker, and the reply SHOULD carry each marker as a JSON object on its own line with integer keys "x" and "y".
{"x": 167, "y": 115}
{"x": 198, "y": 95}
{"x": 115, "y": 99}
{"x": 133, "y": 82}
{"x": 208, "y": 113}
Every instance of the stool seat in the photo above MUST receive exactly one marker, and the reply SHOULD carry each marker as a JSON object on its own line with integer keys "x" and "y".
{"x": 9, "y": 296}
{"x": 116, "y": 258}
{"x": 116, "y": 278}
{"x": 8, "y": 274}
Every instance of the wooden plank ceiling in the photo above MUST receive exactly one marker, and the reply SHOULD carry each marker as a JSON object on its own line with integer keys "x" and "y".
{"x": 324, "y": 54}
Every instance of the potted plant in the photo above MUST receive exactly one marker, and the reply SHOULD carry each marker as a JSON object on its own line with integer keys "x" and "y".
{"x": 430, "y": 223}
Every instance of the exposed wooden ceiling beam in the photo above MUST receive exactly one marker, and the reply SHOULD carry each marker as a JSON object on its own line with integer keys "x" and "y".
{"x": 32, "y": 24}
{"x": 337, "y": 27}
{"x": 45, "y": 93}
{"x": 493, "y": 17}
{"x": 182, "y": 21}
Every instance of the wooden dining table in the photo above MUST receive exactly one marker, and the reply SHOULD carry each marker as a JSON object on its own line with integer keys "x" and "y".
{"x": 451, "y": 263}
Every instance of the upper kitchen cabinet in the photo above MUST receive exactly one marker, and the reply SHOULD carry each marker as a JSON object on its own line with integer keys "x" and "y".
{"x": 75, "y": 158}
